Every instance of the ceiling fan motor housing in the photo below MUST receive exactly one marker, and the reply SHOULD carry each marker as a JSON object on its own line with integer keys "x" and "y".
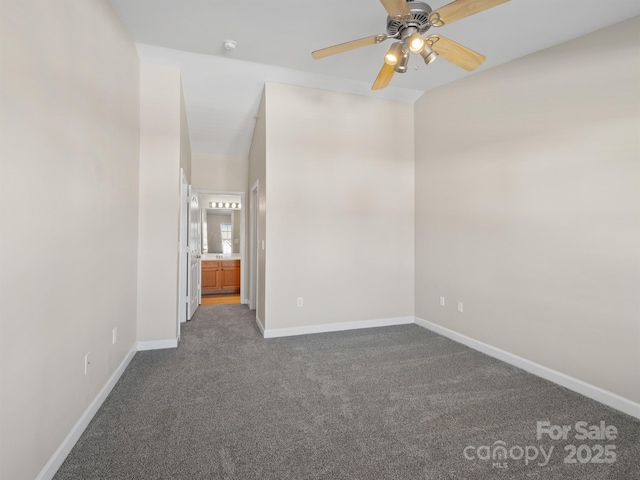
{"x": 419, "y": 19}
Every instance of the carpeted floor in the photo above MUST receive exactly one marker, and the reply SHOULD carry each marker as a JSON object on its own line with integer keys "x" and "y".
{"x": 382, "y": 403}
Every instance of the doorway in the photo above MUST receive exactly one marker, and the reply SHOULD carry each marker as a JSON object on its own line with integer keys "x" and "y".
{"x": 222, "y": 218}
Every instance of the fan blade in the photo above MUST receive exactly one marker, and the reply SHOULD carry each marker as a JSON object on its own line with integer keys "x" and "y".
{"x": 345, "y": 47}
{"x": 396, "y": 8}
{"x": 455, "y": 53}
{"x": 384, "y": 77}
{"x": 459, "y": 9}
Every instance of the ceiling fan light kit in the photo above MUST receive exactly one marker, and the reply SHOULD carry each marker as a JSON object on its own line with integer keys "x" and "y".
{"x": 428, "y": 54}
{"x": 416, "y": 43}
{"x": 403, "y": 62}
{"x": 407, "y": 22}
{"x": 394, "y": 54}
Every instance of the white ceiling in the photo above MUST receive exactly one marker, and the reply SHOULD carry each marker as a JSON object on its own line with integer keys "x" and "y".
{"x": 275, "y": 39}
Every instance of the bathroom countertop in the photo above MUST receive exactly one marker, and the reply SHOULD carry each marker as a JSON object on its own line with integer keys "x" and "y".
{"x": 220, "y": 256}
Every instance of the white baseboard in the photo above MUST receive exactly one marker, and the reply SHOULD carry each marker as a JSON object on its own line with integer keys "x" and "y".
{"x": 58, "y": 457}
{"x": 260, "y": 324}
{"x": 335, "y": 327}
{"x": 596, "y": 393}
{"x": 157, "y": 344}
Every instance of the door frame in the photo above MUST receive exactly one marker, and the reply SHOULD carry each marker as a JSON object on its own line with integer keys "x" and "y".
{"x": 183, "y": 264}
{"x": 254, "y": 235}
{"x": 243, "y": 221}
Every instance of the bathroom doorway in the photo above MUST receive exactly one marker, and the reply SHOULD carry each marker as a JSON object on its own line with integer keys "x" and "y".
{"x": 222, "y": 218}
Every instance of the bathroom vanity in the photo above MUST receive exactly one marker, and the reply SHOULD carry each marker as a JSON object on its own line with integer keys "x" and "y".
{"x": 220, "y": 275}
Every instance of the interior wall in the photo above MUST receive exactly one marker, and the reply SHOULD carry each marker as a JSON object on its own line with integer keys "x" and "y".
{"x": 161, "y": 138}
{"x": 219, "y": 172}
{"x": 257, "y": 175}
{"x": 527, "y": 208}
{"x": 340, "y": 196}
{"x": 185, "y": 141}
{"x": 70, "y": 135}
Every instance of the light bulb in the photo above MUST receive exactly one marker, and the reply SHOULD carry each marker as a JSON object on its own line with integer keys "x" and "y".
{"x": 394, "y": 54}
{"x": 226, "y": 205}
{"x": 428, "y": 54}
{"x": 416, "y": 43}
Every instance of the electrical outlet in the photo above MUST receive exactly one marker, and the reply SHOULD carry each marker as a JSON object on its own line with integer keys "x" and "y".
{"x": 87, "y": 362}
{"x": 114, "y": 336}
{"x": 300, "y": 302}
{"x": 460, "y": 307}
{"x": 442, "y": 301}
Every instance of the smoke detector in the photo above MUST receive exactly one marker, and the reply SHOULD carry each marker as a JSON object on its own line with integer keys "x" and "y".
{"x": 229, "y": 44}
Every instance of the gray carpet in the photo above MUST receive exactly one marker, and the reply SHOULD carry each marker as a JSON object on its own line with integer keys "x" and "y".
{"x": 382, "y": 403}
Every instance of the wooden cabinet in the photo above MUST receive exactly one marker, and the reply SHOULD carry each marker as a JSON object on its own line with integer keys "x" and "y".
{"x": 230, "y": 275}
{"x": 220, "y": 276}
{"x": 210, "y": 273}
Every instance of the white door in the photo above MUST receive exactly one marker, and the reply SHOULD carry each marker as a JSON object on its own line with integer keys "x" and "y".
{"x": 194, "y": 255}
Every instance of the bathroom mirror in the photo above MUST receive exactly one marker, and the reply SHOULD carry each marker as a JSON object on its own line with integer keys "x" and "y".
{"x": 221, "y": 222}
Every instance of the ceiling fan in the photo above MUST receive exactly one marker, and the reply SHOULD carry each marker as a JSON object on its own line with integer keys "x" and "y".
{"x": 407, "y": 23}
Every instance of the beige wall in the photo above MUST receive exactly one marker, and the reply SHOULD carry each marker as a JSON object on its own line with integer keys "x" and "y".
{"x": 339, "y": 197}
{"x": 69, "y": 135}
{"x": 185, "y": 142}
{"x": 527, "y": 208}
{"x": 161, "y": 149}
{"x": 257, "y": 174}
{"x": 227, "y": 173}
